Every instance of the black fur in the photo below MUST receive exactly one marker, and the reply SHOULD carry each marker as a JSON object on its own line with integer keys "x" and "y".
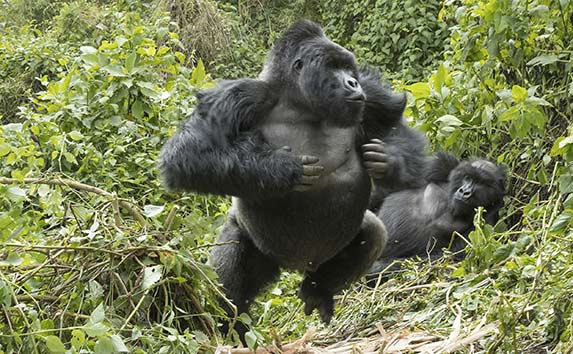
{"x": 286, "y": 146}
{"x": 420, "y": 222}
{"x": 395, "y": 154}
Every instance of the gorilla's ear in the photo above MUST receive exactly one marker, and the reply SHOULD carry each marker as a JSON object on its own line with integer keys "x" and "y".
{"x": 440, "y": 167}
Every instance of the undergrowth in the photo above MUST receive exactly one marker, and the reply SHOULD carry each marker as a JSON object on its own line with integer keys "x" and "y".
{"x": 96, "y": 257}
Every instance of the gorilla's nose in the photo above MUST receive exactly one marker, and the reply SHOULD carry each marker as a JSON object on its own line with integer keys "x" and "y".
{"x": 353, "y": 90}
{"x": 352, "y": 83}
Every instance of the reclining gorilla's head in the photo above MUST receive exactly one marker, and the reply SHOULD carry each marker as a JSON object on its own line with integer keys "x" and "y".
{"x": 476, "y": 183}
{"x": 315, "y": 74}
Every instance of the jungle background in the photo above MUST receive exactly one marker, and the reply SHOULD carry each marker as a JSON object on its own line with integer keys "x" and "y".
{"x": 97, "y": 257}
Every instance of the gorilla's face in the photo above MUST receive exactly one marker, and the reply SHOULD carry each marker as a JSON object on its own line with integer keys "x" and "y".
{"x": 327, "y": 79}
{"x": 316, "y": 74}
{"x": 474, "y": 184}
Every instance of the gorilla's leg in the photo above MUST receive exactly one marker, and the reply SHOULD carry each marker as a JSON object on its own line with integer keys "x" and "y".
{"x": 242, "y": 268}
{"x": 318, "y": 288}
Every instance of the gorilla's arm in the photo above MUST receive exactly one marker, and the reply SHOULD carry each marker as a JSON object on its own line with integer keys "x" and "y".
{"x": 218, "y": 150}
{"x": 395, "y": 154}
{"x": 395, "y": 163}
{"x": 440, "y": 167}
{"x": 383, "y": 109}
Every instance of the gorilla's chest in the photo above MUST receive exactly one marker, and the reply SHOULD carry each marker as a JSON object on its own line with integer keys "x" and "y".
{"x": 334, "y": 145}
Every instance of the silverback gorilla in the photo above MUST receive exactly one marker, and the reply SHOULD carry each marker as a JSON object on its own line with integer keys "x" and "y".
{"x": 287, "y": 147}
{"x": 420, "y": 222}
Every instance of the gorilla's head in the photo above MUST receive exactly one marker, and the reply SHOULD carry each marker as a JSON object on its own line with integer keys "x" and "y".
{"x": 315, "y": 74}
{"x": 476, "y": 183}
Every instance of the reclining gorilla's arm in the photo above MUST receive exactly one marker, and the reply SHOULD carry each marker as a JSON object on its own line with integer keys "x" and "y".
{"x": 395, "y": 154}
{"x": 218, "y": 150}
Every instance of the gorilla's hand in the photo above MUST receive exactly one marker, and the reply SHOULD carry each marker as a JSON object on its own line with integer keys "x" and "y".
{"x": 378, "y": 162}
{"x": 311, "y": 172}
{"x": 315, "y": 298}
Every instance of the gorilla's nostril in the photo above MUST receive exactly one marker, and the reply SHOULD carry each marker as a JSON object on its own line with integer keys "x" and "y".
{"x": 352, "y": 83}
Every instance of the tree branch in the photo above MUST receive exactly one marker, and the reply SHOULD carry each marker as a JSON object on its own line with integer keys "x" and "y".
{"x": 80, "y": 186}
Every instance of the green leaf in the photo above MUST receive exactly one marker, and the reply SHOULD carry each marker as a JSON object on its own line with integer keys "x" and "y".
{"x": 153, "y": 210}
{"x": 180, "y": 56}
{"x": 78, "y": 339}
{"x": 151, "y": 275}
{"x": 419, "y": 89}
{"x": 13, "y": 260}
{"x": 121, "y": 41}
{"x": 440, "y": 78}
{"x": 544, "y": 59}
{"x": 162, "y": 51}
{"x": 104, "y": 345}
{"x": 118, "y": 344}
{"x": 130, "y": 62}
{"x": 5, "y": 149}
{"x": 16, "y": 194}
{"x": 54, "y": 344}
{"x": 98, "y": 314}
{"x": 449, "y": 120}
{"x": 91, "y": 59}
{"x": 251, "y": 339}
{"x": 114, "y": 70}
{"x": 137, "y": 109}
{"x": 70, "y": 157}
{"x": 88, "y": 50}
{"x": 76, "y": 135}
{"x": 245, "y": 318}
{"x": 561, "y": 222}
{"x": 198, "y": 74}
{"x": 518, "y": 93}
{"x": 47, "y": 324}
{"x": 459, "y": 272}
{"x": 510, "y": 114}
{"x": 96, "y": 329}
{"x": 148, "y": 89}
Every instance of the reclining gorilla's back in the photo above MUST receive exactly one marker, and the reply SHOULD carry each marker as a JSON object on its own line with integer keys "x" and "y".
{"x": 287, "y": 147}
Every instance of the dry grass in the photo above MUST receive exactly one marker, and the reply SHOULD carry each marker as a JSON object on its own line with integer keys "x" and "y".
{"x": 381, "y": 341}
{"x": 203, "y": 29}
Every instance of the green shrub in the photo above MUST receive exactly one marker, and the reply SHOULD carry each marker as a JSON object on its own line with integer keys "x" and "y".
{"x": 403, "y": 37}
{"x": 79, "y": 192}
{"x": 504, "y": 91}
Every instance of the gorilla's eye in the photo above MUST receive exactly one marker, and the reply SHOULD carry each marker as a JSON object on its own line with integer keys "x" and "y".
{"x": 297, "y": 65}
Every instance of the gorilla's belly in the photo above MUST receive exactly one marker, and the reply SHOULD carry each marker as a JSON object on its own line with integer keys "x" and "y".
{"x": 304, "y": 229}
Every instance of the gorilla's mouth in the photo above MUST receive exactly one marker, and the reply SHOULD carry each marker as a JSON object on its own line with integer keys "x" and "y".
{"x": 359, "y": 97}
{"x": 460, "y": 199}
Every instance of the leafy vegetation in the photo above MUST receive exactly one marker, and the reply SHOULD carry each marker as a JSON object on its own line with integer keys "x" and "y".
{"x": 96, "y": 257}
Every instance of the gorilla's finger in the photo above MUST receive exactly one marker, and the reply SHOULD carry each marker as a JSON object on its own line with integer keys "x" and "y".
{"x": 375, "y": 156}
{"x": 377, "y": 141}
{"x": 308, "y": 308}
{"x": 373, "y": 147}
{"x": 286, "y": 148}
{"x": 376, "y": 166}
{"x": 308, "y": 179}
{"x": 312, "y": 170}
{"x": 308, "y": 159}
{"x": 326, "y": 310}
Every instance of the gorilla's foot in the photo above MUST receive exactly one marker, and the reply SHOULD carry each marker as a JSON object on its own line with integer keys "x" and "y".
{"x": 316, "y": 298}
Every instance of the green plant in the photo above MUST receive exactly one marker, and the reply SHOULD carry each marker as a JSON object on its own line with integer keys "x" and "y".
{"x": 397, "y": 36}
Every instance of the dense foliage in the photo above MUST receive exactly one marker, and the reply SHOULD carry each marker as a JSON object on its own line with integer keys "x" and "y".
{"x": 393, "y": 35}
{"x": 97, "y": 257}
